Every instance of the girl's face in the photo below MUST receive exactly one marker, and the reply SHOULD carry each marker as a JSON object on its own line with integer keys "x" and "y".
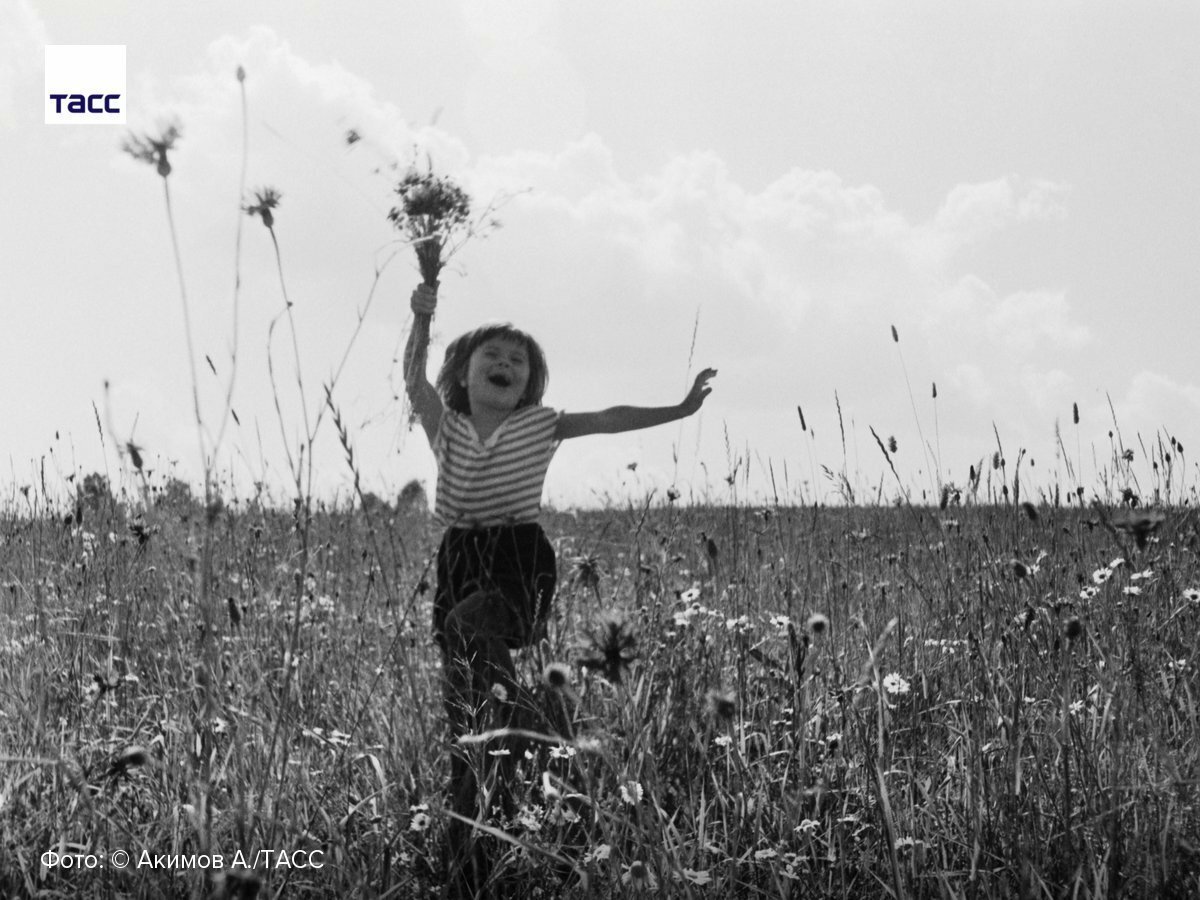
{"x": 497, "y": 374}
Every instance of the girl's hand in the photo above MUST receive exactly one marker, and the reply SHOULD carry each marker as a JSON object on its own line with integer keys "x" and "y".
{"x": 700, "y": 389}
{"x": 424, "y": 300}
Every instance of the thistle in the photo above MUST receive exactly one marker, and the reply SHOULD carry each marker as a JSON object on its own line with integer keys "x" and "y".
{"x": 612, "y": 649}
{"x": 153, "y": 150}
{"x": 268, "y": 199}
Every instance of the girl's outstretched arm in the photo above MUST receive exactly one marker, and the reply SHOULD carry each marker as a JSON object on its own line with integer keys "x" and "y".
{"x": 421, "y": 394}
{"x": 630, "y": 418}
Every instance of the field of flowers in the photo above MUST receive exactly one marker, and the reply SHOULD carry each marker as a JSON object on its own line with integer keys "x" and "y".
{"x": 971, "y": 701}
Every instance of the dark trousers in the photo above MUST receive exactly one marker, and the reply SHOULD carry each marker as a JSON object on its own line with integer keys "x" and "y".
{"x": 494, "y": 588}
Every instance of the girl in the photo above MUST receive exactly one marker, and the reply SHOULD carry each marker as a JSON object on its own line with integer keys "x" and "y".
{"x": 493, "y": 441}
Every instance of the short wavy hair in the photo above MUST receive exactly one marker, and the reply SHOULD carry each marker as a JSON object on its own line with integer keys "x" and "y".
{"x": 458, "y": 358}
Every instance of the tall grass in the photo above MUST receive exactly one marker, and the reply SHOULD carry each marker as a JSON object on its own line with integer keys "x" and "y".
{"x": 981, "y": 703}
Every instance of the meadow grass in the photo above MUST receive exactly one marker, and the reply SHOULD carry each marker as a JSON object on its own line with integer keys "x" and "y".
{"x": 978, "y": 701}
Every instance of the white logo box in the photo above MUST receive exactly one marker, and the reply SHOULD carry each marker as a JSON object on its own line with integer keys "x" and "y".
{"x": 85, "y": 84}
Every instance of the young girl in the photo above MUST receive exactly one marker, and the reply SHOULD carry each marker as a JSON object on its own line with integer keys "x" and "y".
{"x": 493, "y": 441}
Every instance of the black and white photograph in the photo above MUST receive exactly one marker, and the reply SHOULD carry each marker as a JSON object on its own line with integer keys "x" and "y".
{"x": 599, "y": 449}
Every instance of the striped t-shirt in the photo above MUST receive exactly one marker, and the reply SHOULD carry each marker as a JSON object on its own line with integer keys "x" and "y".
{"x": 498, "y": 481}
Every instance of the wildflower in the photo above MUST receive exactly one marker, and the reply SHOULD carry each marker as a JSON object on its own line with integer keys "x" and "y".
{"x": 434, "y": 212}
{"x": 129, "y": 758}
{"x": 599, "y": 853}
{"x": 268, "y": 199}
{"x": 638, "y": 877}
{"x": 780, "y": 621}
{"x": 1100, "y": 576}
{"x": 1089, "y": 592}
{"x": 807, "y": 827}
{"x": 586, "y": 571}
{"x": 817, "y": 623}
{"x": 530, "y": 817}
{"x": 1132, "y": 590}
{"x": 905, "y": 843}
{"x": 741, "y": 624}
{"x": 614, "y": 648}
{"x": 722, "y": 740}
{"x": 562, "y": 752}
{"x": 153, "y": 150}
{"x": 557, "y": 676}
{"x": 1142, "y": 576}
{"x": 1077, "y": 707}
{"x": 1140, "y": 525}
{"x": 895, "y": 684}
{"x": 500, "y": 692}
{"x": 695, "y": 876}
{"x": 631, "y": 793}
{"x": 419, "y": 822}
{"x": 722, "y": 704}
{"x": 1192, "y": 595}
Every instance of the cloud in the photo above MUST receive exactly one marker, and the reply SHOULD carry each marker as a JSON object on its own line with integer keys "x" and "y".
{"x": 1154, "y": 401}
{"x": 630, "y": 281}
{"x": 972, "y": 212}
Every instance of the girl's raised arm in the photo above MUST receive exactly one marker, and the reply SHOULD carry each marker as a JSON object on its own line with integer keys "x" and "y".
{"x": 630, "y": 418}
{"x": 423, "y": 396}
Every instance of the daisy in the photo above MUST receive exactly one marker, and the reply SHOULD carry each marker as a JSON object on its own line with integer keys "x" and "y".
{"x": 895, "y": 684}
{"x": 638, "y": 876}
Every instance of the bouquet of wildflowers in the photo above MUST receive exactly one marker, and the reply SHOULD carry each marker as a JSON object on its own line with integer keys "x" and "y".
{"x": 434, "y": 216}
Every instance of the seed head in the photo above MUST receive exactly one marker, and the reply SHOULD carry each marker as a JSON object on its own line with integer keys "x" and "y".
{"x": 817, "y": 623}
{"x": 557, "y": 676}
{"x": 722, "y": 704}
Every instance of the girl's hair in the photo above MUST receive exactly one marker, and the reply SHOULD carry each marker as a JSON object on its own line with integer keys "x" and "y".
{"x": 458, "y": 357}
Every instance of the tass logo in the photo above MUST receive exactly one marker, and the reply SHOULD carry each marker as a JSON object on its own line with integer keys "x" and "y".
{"x": 85, "y": 84}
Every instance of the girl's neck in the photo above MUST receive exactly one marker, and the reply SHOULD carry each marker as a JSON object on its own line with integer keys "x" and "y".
{"x": 486, "y": 420}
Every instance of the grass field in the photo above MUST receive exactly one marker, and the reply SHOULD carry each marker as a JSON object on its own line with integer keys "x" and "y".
{"x": 983, "y": 700}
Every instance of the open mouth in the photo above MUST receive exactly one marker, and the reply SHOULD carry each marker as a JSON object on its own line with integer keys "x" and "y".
{"x": 500, "y": 379}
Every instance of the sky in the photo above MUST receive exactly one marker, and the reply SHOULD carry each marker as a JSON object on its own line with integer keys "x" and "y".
{"x": 765, "y": 188}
